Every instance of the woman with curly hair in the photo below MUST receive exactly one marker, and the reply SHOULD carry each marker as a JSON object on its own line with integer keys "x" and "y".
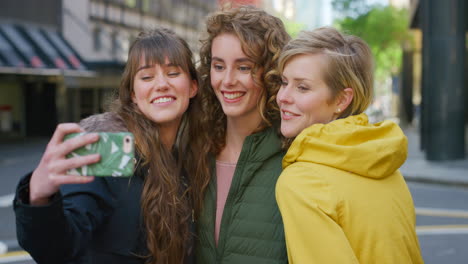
{"x": 149, "y": 217}
{"x": 240, "y": 221}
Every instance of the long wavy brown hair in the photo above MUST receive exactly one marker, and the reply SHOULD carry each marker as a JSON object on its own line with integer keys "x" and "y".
{"x": 262, "y": 37}
{"x": 166, "y": 205}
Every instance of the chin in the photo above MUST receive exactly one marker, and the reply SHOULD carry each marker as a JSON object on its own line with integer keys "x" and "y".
{"x": 288, "y": 133}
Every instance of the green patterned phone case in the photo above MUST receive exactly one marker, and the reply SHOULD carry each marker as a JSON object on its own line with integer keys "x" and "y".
{"x": 117, "y": 155}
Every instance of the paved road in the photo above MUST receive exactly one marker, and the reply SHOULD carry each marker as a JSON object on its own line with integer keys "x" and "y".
{"x": 442, "y": 222}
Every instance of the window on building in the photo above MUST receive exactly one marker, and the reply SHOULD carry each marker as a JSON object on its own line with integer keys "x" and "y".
{"x": 114, "y": 44}
{"x": 119, "y": 45}
{"x": 86, "y": 103}
{"x": 97, "y": 39}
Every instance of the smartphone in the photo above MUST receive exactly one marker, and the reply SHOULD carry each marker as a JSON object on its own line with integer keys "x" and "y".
{"x": 117, "y": 155}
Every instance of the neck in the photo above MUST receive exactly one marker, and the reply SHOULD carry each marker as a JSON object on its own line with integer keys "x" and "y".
{"x": 236, "y": 131}
{"x": 168, "y": 135}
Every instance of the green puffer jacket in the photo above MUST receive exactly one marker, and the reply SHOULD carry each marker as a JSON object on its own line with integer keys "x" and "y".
{"x": 251, "y": 226}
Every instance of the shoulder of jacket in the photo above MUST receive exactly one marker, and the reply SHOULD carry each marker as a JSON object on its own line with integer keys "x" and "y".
{"x": 105, "y": 122}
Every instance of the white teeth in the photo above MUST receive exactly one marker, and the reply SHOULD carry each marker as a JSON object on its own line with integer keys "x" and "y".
{"x": 287, "y": 113}
{"x": 163, "y": 100}
{"x": 233, "y": 95}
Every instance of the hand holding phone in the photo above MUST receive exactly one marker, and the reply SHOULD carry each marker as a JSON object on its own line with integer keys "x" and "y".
{"x": 116, "y": 151}
{"x": 51, "y": 173}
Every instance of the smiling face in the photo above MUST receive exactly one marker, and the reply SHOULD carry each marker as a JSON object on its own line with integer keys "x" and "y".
{"x": 304, "y": 98}
{"x": 231, "y": 78}
{"x": 162, "y": 93}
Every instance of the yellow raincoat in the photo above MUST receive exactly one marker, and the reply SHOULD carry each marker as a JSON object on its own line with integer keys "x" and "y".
{"x": 342, "y": 197}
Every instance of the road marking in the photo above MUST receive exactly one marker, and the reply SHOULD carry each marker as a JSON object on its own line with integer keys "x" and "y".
{"x": 14, "y": 256}
{"x": 6, "y": 200}
{"x": 442, "y": 230}
{"x": 453, "y": 213}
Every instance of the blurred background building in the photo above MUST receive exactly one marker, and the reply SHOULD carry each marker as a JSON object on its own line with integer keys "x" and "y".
{"x": 434, "y": 77}
{"x": 61, "y": 59}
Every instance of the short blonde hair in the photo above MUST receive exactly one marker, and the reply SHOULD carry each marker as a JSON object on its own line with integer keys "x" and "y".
{"x": 350, "y": 64}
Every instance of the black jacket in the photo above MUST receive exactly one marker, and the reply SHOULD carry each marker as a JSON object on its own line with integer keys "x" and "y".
{"x": 99, "y": 222}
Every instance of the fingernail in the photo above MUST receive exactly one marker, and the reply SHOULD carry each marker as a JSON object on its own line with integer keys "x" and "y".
{"x": 93, "y": 136}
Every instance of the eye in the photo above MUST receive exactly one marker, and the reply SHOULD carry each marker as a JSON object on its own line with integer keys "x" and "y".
{"x": 245, "y": 68}
{"x": 146, "y": 77}
{"x": 302, "y": 88}
{"x": 217, "y": 67}
{"x": 174, "y": 74}
{"x": 283, "y": 83}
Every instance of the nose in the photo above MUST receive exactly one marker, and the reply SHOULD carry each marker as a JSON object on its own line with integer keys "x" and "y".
{"x": 229, "y": 78}
{"x": 161, "y": 83}
{"x": 284, "y": 96}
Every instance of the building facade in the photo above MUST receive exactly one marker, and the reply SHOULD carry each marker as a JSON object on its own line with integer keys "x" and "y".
{"x": 61, "y": 60}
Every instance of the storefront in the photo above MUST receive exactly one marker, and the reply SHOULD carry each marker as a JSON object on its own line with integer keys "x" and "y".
{"x": 37, "y": 67}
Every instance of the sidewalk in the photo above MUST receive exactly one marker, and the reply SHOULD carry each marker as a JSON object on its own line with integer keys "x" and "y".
{"x": 417, "y": 168}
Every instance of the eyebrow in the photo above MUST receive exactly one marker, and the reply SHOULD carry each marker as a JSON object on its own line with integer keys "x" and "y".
{"x": 150, "y": 66}
{"x": 237, "y": 60}
{"x": 299, "y": 79}
{"x": 302, "y": 79}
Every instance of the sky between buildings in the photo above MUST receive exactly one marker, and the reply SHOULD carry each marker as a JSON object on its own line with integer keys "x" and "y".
{"x": 316, "y": 13}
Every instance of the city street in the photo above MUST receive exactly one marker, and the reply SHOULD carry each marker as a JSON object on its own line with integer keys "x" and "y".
{"x": 16, "y": 159}
{"x": 442, "y": 222}
{"x": 442, "y": 211}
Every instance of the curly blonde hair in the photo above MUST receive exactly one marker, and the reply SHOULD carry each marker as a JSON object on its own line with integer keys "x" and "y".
{"x": 262, "y": 36}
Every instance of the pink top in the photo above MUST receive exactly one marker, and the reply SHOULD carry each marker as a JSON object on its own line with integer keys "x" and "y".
{"x": 224, "y": 174}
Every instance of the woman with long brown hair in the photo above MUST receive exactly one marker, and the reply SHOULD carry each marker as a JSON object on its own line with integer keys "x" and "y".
{"x": 149, "y": 217}
{"x": 240, "y": 221}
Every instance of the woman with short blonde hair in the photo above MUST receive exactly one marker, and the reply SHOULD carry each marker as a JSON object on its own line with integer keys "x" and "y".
{"x": 341, "y": 196}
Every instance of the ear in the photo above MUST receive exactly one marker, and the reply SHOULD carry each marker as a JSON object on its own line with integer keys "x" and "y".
{"x": 344, "y": 99}
{"x": 193, "y": 88}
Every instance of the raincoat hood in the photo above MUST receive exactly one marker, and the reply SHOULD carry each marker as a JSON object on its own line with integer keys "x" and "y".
{"x": 352, "y": 144}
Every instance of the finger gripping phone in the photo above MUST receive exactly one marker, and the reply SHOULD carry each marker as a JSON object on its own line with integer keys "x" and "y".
{"x": 117, "y": 155}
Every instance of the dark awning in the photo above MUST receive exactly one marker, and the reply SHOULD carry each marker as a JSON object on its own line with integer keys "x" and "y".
{"x": 46, "y": 49}
{"x": 8, "y": 54}
{"x": 35, "y": 51}
{"x": 24, "y": 47}
{"x": 61, "y": 45}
